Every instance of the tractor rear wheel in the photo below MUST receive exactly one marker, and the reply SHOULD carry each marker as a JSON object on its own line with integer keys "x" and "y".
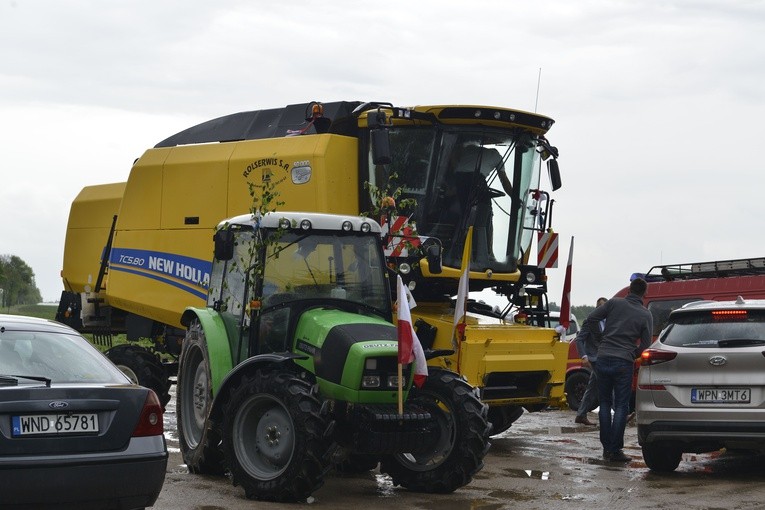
{"x": 463, "y": 437}
{"x": 198, "y": 438}
{"x": 142, "y": 367}
{"x": 273, "y": 436}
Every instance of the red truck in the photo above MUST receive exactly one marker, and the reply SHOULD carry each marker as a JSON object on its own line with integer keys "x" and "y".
{"x": 672, "y": 286}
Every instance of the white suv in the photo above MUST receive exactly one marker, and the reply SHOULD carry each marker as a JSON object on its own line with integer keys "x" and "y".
{"x": 701, "y": 385}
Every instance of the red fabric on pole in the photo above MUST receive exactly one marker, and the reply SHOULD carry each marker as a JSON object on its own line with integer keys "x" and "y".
{"x": 409, "y": 347}
{"x": 565, "y": 305}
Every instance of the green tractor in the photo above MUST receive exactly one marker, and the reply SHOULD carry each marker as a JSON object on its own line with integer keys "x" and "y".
{"x": 292, "y": 368}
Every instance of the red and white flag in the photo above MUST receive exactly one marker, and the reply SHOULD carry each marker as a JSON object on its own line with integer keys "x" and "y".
{"x": 565, "y": 304}
{"x": 409, "y": 347}
{"x": 463, "y": 291}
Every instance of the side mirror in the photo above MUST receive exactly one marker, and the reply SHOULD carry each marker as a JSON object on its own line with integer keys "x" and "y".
{"x": 554, "y": 172}
{"x": 380, "y": 146}
{"x": 224, "y": 244}
{"x": 433, "y": 252}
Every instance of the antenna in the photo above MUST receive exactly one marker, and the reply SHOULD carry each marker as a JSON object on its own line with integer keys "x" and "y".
{"x": 539, "y": 80}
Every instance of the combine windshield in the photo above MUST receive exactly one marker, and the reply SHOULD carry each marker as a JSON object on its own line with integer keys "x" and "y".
{"x": 456, "y": 175}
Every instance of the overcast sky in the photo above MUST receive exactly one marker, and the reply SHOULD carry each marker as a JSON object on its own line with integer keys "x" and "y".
{"x": 659, "y": 105}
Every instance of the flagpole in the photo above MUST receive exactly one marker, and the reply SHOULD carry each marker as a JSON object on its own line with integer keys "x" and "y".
{"x": 400, "y": 390}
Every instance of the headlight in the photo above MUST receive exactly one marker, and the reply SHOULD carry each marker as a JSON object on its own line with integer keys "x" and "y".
{"x": 370, "y": 381}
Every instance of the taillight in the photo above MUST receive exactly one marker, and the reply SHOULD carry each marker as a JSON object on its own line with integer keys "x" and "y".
{"x": 656, "y": 356}
{"x": 150, "y": 422}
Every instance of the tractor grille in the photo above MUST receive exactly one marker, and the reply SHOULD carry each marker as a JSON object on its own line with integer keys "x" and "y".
{"x": 379, "y": 429}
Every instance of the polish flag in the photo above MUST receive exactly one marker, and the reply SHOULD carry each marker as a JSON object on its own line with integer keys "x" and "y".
{"x": 409, "y": 347}
{"x": 565, "y": 305}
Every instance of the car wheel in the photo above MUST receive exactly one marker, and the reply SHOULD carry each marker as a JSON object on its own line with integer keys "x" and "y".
{"x": 576, "y": 385}
{"x": 662, "y": 456}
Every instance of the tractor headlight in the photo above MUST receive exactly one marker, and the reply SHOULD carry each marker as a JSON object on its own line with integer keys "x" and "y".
{"x": 366, "y": 227}
{"x": 284, "y": 223}
{"x": 370, "y": 381}
{"x": 393, "y": 381}
{"x": 305, "y": 225}
{"x": 347, "y": 226}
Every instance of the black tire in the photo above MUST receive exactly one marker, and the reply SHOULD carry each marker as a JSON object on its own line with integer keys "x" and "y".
{"x": 503, "y": 417}
{"x": 273, "y": 437}
{"x": 576, "y": 385}
{"x": 463, "y": 441}
{"x": 142, "y": 367}
{"x": 199, "y": 439}
{"x": 662, "y": 456}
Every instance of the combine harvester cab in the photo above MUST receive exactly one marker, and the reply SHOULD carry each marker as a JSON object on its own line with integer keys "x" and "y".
{"x": 427, "y": 173}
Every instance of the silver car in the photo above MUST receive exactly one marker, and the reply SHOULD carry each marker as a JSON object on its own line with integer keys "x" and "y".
{"x": 701, "y": 385}
{"x": 74, "y": 431}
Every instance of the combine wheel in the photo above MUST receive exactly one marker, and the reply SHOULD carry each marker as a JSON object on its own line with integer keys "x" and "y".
{"x": 463, "y": 441}
{"x": 142, "y": 367}
{"x": 273, "y": 437}
{"x": 198, "y": 438}
{"x": 503, "y": 417}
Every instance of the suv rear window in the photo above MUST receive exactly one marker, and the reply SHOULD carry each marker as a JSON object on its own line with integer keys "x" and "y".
{"x": 716, "y": 328}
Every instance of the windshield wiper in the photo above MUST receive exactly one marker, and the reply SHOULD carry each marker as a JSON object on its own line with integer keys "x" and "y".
{"x": 13, "y": 379}
{"x": 740, "y": 342}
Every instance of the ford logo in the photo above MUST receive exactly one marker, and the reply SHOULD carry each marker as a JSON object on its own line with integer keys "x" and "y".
{"x": 717, "y": 361}
{"x": 58, "y": 404}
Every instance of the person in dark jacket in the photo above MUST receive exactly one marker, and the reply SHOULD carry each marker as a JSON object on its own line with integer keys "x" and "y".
{"x": 587, "y": 342}
{"x": 627, "y": 323}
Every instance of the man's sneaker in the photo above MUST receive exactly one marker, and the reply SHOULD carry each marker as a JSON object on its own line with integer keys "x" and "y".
{"x": 583, "y": 420}
{"x": 617, "y": 456}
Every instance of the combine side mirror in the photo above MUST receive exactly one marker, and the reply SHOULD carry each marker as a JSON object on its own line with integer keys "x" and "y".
{"x": 433, "y": 252}
{"x": 380, "y": 146}
{"x": 554, "y": 172}
{"x": 224, "y": 244}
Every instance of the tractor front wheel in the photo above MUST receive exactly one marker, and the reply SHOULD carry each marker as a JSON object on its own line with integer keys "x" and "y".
{"x": 273, "y": 436}
{"x": 462, "y": 443}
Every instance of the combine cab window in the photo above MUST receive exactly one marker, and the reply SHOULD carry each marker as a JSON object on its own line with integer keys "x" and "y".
{"x": 455, "y": 171}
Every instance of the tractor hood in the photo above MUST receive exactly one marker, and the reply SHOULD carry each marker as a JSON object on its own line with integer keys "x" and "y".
{"x": 331, "y": 336}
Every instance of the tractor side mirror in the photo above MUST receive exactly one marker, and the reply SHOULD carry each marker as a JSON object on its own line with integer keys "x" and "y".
{"x": 224, "y": 244}
{"x": 554, "y": 172}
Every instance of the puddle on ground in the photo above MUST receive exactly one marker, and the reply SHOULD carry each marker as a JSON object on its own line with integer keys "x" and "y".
{"x": 528, "y": 473}
{"x": 385, "y": 486}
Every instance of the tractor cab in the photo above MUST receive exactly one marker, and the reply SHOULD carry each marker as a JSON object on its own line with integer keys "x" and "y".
{"x": 269, "y": 271}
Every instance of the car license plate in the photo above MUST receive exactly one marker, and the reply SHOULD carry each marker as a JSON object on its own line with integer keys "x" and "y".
{"x": 54, "y": 424}
{"x": 721, "y": 395}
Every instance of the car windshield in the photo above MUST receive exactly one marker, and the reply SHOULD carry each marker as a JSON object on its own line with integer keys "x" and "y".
{"x": 715, "y": 329}
{"x": 62, "y": 358}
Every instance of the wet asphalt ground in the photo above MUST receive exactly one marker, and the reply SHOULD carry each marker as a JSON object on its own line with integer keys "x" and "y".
{"x": 544, "y": 461}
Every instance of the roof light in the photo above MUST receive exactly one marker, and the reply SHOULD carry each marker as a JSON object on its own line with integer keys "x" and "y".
{"x": 347, "y": 226}
{"x": 729, "y": 315}
{"x": 305, "y": 225}
{"x": 284, "y": 223}
{"x": 366, "y": 227}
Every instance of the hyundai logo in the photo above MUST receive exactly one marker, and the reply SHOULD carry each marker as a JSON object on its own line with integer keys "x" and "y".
{"x": 717, "y": 361}
{"x": 58, "y": 404}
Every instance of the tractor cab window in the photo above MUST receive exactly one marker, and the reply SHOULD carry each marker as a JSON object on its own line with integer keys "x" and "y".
{"x": 327, "y": 266}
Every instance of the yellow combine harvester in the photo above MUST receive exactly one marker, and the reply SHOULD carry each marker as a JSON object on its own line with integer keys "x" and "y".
{"x": 138, "y": 253}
